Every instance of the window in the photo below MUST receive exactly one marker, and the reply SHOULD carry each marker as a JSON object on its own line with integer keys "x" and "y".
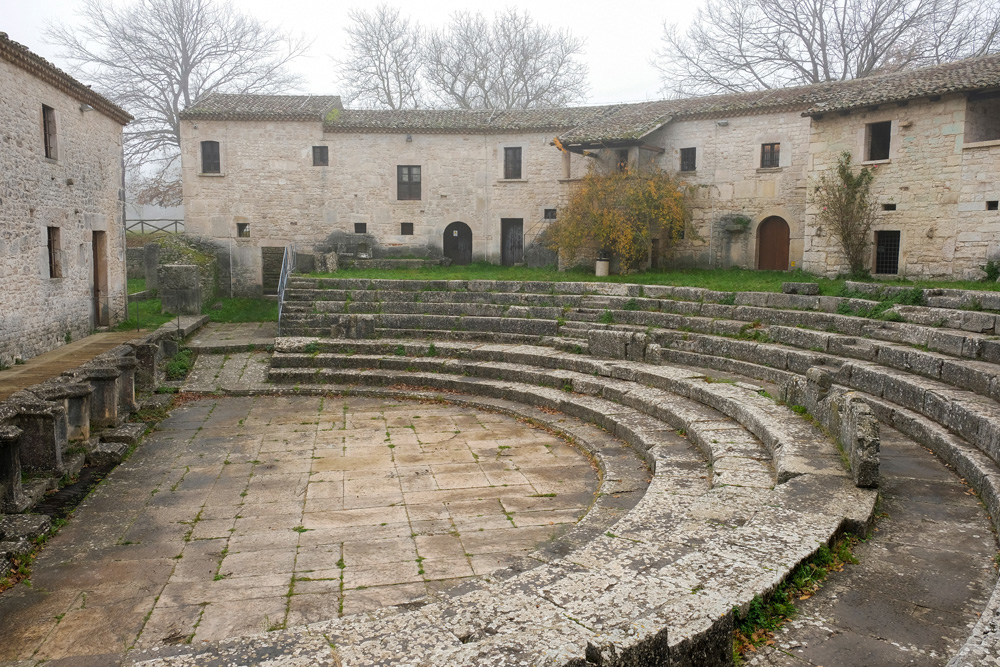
{"x": 982, "y": 118}
{"x": 769, "y": 156}
{"x": 210, "y": 162}
{"x": 623, "y": 160}
{"x": 360, "y": 227}
{"x": 406, "y": 229}
{"x": 407, "y": 182}
{"x": 888, "y": 207}
{"x": 55, "y": 253}
{"x": 887, "y": 252}
{"x": 243, "y": 230}
{"x": 321, "y": 156}
{"x": 877, "y": 140}
{"x": 49, "y": 132}
{"x": 512, "y": 163}
{"x": 550, "y": 214}
{"x": 689, "y": 159}
{"x": 992, "y": 205}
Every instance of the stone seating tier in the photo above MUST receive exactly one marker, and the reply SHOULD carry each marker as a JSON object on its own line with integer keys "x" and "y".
{"x": 934, "y": 377}
{"x": 623, "y": 586}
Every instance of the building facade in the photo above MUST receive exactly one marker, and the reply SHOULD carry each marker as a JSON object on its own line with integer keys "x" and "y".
{"x": 264, "y": 171}
{"x": 62, "y": 247}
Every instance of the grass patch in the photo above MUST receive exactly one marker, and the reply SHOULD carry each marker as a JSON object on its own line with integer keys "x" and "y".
{"x": 722, "y": 280}
{"x": 144, "y": 315}
{"x": 763, "y": 617}
{"x": 237, "y": 310}
{"x": 136, "y": 285}
{"x": 179, "y": 365}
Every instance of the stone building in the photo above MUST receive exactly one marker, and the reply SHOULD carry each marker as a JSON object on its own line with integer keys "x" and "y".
{"x": 261, "y": 172}
{"x": 62, "y": 248}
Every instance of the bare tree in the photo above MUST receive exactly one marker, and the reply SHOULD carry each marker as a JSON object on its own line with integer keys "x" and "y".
{"x": 738, "y": 45}
{"x": 155, "y": 57}
{"x": 383, "y": 67}
{"x": 510, "y": 62}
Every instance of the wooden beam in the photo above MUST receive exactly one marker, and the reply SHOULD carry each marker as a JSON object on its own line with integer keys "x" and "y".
{"x": 651, "y": 148}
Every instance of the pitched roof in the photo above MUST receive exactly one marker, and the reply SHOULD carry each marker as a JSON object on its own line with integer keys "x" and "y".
{"x": 630, "y": 122}
{"x": 961, "y": 76}
{"x": 460, "y": 120}
{"x": 223, "y": 106}
{"x": 617, "y": 123}
{"x": 19, "y": 55}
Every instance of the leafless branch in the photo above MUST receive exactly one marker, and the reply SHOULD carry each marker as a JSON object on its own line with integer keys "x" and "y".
{"x": 737, "y": 45}
{"x": 382, "y": 70}
{"x": 155, "y": 57}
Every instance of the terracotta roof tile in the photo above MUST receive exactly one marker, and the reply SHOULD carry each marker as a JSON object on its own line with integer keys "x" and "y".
{"x": 221, "y": 106}
{"x": 20, "y": 55}
{"x": 460, "y": 120}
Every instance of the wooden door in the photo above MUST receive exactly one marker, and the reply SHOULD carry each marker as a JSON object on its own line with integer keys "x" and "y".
{"x": 102, "y": 305}
{"x": 458, "y": 243}
{"x": 772, "y": 245}
{"x": 511, "y": 241}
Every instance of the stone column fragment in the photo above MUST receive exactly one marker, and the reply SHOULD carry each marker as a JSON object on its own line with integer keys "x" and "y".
{"x": 43, "y": 433}
{"x": 146, "y": 355}
{"x": 104, "y": 397}
{"x": 75, "y": 399}
{"x": 12, "y": 499}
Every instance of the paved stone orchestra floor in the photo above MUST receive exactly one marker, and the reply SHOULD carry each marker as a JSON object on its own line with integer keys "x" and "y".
{"x": 243, "y": 514}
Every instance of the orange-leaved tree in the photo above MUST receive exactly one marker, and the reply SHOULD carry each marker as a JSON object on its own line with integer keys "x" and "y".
{"x": 619, "y": 213}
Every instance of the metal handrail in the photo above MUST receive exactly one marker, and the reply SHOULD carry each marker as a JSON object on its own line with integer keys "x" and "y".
{"x": 287, "y": 266}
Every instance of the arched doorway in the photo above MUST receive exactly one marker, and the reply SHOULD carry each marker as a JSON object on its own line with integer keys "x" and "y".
{"x": 458, "y": 243}
{"x": 772, "y": 244}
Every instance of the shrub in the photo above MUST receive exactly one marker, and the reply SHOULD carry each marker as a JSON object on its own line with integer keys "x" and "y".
{"x": 848, "y": 208}
{"x": 619, "y": 213}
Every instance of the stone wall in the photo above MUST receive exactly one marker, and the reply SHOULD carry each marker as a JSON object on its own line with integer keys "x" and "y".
{"x": 77, "y": 193}
{"x": 938, "y": 183}
{"x": 941, "y": 186}
{"x": 728, "y": 180}
{"x": 268, "y": 182}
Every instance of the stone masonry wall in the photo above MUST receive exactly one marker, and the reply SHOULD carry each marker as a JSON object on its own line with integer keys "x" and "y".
{"x": 938, "y": 183}
{"x": 269, "y": 182}
{"x": 728, "y": 179}
{"x": 78, "y": 193}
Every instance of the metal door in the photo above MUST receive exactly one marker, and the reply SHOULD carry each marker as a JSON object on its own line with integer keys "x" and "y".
{"x": 511, "y": 241}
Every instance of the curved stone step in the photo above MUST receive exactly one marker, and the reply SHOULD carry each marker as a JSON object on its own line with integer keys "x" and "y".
{"x": 665, "y": 577}
{"x": 794, "y": 446}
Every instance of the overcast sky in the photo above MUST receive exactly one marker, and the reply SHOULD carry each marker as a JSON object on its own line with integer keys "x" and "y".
{"x": 620, "y": 36}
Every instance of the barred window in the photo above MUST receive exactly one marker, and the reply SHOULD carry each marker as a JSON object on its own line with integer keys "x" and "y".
{"x": 689, "y": 159}
{"x": 769, "y": 155}
{"x": 321, "y": 156}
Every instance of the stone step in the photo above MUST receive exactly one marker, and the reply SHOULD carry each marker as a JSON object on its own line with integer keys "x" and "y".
{"x": 967, "y": 341}
{"x": 793, "y": 445}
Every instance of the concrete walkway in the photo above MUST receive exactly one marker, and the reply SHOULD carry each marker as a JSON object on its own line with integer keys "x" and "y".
{"x": 924, "y": 575}
{"x": 52, "y": 363}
